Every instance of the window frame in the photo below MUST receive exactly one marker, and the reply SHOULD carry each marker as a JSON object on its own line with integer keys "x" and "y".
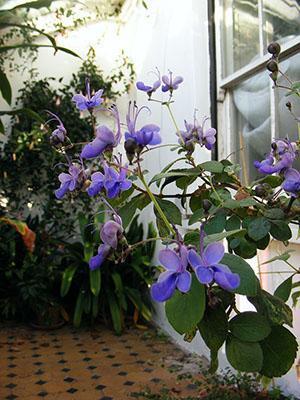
{"x": 225, "y": 85}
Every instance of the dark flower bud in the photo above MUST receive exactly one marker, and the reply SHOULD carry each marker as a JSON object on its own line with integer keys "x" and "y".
{"x": 130, "y": 146}
{"x": 274, "y": 49}
{"x": 206, "y": 204}
{"x": 260, "y": 191}
{"x": 289, "y": 105}
{"x": 274, "y": 146}
{"x": 274, "y": 76}
{"x": 272, "y": 66}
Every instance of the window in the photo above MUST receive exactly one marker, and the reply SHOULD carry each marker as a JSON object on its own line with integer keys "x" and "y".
{"x": 250, "y": 112}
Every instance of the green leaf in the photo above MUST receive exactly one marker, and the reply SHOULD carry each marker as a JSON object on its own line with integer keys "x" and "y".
{"x": 233, "y": 204}
{"x": 34, "y": 4}
{"x": 128, "y": 210}
{"x": 279, "y": 352}
{"x": 214, "y": 328}
{"x": 185, "y": 310}
{"x": 95, "y": 306}
{"x": 274, "y": 213}
{"x": 273, "y": 308}
{"x": 215, "y": 224}
{"x": 233, "y": 223}
{"x": 176, "y": 173}
{"x": 67, "y": 279}
{"x": 284, "y": 289}
{"x": 95, "y": 281}
{"x": 197, "y": 215}
{"x": 216, "y": 237}
{"x": 167, "y": 167}
{"x": 249, "y": 283}
{"x": 115, "y": 313}
{"x": 244, "y": 356}
{"x": 119, "y": 290}
{"x": 5, "y": 87}
{"x": 280, "y": 231}
{"x": 258, "y": 228}
{"x": 215, "y": 167}
{"x": 4, "y": 49}
{"x": 282, "y": 257}
{"x": 79, "y": 308}
{"x": 250, "y": 326}
{"x": 171, "y": 211}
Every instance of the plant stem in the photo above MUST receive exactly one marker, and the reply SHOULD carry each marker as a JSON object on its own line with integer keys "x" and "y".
{"x": 174, "y": 122}
{"x": 154, "y": 201}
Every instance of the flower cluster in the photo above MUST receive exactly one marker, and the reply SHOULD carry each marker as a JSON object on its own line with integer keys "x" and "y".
{"x": 206, "y": 265}
{"x": 196, "y": 133}
{"x": 280, "y": 160}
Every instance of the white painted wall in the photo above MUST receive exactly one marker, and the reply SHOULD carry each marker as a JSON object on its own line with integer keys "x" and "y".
{"x": 173, "y": 35}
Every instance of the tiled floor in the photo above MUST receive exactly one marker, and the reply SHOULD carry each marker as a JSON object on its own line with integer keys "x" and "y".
{"x": 89, "y": 364}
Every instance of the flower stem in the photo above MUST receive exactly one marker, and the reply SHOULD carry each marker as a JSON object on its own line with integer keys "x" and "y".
{"x": 174, "y": 121}
{"x": 154, "y": 201}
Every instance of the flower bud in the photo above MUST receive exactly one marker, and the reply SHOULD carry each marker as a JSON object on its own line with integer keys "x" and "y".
{"x": 272, "y": 66}
{"x": 289, "y": 105}
{"x": 206, "y": 204}
{"x": 274, "y": 49}
{"x": 260, "y": 191}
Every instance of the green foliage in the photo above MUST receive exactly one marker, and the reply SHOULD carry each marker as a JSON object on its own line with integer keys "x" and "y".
{"x": 185, "y": 311}
{"x": 252, "y": 359}
{"x": 115, "y": 291}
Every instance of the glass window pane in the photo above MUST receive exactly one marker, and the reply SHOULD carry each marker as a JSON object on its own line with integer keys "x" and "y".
{"x": 241, "y": 33}
{"x": 287, "y": 125}
{"x": 281, "y": 20}
{"x": 252, "y": 125}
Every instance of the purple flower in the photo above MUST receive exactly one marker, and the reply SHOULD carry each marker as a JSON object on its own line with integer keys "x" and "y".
{"x": 171, "y": 83}
{"x": 175, "y": 276}
{"x": 59, "y": 134}
{"x": 68, "y": 181}
{"x": 110, "y": 234}
{"x": 115, "y": 182}
{"x": 96, "y": 261}
{"x": 87, "y": 102}
{"x": 147, "y": 88}
{"x": 105, "y": 139}
{"x": 147, "y": 135}
{"x": 291, "y": 183}
{"x": 281, "y": 157}
{"x": 208, "y": 268}
{"x": 97, "y": 183}
{"x": 195, "y": 133}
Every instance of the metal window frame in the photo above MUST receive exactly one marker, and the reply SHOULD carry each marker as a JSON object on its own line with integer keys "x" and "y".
{"x": 225, "y": 106}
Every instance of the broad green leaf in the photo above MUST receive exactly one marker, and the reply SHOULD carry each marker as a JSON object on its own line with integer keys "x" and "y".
{"x": 166, "y": 169}
{"x": 197, "y": 215}
{"x": 95, "y": 281}
{"x": 244, "y": 356}
{"x": 217, "y": 237}
{"x": 5, "y": 87}
{"x": 279, "y": 352}
{"x": 216, "y": 224}
{"x": 214, "y": 328}
{"x": 274, "y": 213}
{"x": 258, "y": 228}
{"x": 233, "y": 204}
{"x": 67, "y": 279}
{"x": 249, "y": 283}
{"x": 273, "y": 308}
{"x": 284, "y": 289}
{"x": 280, "y": 231}
{"x": 185, "y": 310}
{"x": 171, "y": 211}
{"x": 250, "y": 326}
{"x": 128, "y": 210}
{"x": 215, "y": 167}
{"x": 79, "y": 308}
{"x": 233, "y": 223}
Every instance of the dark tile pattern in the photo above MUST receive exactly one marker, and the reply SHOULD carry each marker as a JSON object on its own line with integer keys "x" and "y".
{"x": 84, "y": 364}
